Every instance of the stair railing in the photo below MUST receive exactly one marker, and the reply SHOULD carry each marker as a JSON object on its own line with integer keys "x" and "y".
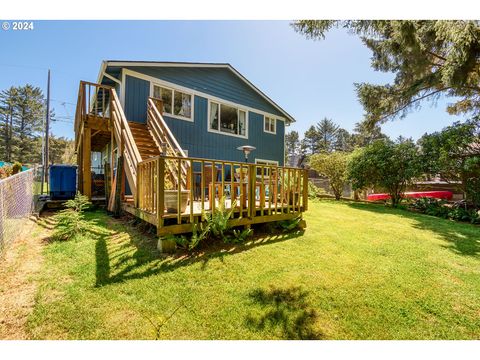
{"x": 165, "y": 140}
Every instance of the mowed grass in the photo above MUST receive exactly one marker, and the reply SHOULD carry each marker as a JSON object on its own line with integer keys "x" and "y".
{"x": 359, "y": 271}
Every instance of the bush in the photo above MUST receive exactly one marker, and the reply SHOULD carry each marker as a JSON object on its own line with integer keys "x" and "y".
{"x": 71, "y": 221}
{"x": 214, "y": 226}
{"x": 314, "y": 191}
{"x": 16, "y": 168}
{"x": 5, "y": 171}
{"x": 439, "y": 208}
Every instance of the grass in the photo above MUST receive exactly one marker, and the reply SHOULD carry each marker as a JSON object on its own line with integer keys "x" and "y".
{"x": 359, "y": 271}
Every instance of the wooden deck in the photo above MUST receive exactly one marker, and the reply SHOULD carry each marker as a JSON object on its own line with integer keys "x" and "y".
{"x": 169, "y": 189}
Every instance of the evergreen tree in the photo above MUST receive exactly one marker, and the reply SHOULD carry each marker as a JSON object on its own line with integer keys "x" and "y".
{"x": 292, "y": 144}
{"x": 364, "y": 134}
{"x": 327, "y": 132}
{"x": 310, "y": 141}
{"x": 429, "y": 58}
{"x": 8, "y": 100}
{"x": 343, "y": 141}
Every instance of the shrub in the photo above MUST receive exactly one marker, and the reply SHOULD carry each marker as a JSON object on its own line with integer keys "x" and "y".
{"x": 439, "y": 208}
{"x": 16, "y": 168}
{"x": 5, "y": 171}
{"x": 71, "y": 221}
{"x": 334, "y": 167}
{"x": 214, "y": 226}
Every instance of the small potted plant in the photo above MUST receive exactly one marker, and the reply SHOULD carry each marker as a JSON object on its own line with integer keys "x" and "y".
{"x": 171, "y": 197}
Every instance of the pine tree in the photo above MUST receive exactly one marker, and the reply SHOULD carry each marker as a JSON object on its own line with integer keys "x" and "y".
{"x": 8, "y": 100}
{"x": 327, "y": 132}
{"x": 310, "y": 141}
{"x": 27, "y": 124}
{"x": 428, "y": 58}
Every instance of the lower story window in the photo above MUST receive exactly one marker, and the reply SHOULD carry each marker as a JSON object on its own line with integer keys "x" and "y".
{"x": 227, "y": 119}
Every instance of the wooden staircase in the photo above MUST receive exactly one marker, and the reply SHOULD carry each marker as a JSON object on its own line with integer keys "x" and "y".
{"x": 144, "y": 140}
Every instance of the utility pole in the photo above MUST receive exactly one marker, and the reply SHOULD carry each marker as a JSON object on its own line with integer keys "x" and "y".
{"x": 47, "y": 130}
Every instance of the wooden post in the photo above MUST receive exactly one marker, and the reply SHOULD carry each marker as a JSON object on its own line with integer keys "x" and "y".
{"x": 252, "y": 180}
{"x": 305, "y": 190}
{"x": 79, "y": 167}
{"x": 160, "y": 192}
{"x": 87, "y": 163}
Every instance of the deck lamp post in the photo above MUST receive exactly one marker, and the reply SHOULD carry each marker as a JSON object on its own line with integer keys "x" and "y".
{"x": 247, "y": 149}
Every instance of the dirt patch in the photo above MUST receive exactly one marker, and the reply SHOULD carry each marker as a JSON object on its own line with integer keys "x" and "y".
{"x": 18, "y": 270}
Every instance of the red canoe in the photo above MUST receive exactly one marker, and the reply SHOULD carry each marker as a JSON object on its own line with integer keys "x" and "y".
{"x": 446, "y": 195}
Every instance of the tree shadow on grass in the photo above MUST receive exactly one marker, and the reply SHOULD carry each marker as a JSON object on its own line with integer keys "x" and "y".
{"x": 284, "y": 312}
{"x": 126, "y": 254}
{"x": 462, "y": 238}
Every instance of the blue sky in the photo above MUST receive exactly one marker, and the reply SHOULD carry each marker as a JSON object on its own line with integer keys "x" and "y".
{"x": 309, "y": 79}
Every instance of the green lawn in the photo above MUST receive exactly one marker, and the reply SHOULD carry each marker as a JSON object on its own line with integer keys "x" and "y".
{"x": 358, "y": 272}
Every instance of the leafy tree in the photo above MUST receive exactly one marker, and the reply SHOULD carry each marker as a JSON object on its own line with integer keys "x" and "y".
{"x": 385, "y": 164}
{"x": 454, "y": 155}
{"x": 428, "y": 58}
{"x": 68, "y": 156}
{"x": 327, "y": 132}
{"x": 334, "y": 167}
{"x": 58, "y": 148}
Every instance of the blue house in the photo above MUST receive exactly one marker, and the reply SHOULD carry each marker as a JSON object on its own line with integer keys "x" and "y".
{"x": 168, "y": 136}
{"x": 211, "y": 109}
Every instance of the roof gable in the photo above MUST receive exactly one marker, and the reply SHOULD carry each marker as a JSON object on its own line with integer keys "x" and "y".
{"x": 218, "y": 80}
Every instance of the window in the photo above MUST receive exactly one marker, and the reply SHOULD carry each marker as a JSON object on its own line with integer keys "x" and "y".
{"x": 267, "y": 163}
{"x": 269, "y": 125}
{"x": 227, "y": 119}
{"x": 175, "y": 102}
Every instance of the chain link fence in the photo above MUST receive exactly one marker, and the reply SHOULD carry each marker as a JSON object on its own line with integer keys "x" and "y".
{"x": 17, "y": 198}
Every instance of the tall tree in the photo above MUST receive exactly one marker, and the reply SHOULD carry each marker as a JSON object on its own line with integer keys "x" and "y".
{"x": 327, "y": 134}
{"x": 310, "y": 141}
{"x": 344, "y": 141}
{"x": 8, "y": 101}
{"x": 292, "y": 144}
{"x": 428, "y": 58}
{"x": 27, "y": 123}
{"x": 364, "y": 135}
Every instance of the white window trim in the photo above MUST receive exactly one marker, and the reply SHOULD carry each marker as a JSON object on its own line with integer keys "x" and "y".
{"x": 209, "y": 129}
{"x": 275, "y": 124}
{"x": 268, "y": 162}
{"x": 173, "y": 89}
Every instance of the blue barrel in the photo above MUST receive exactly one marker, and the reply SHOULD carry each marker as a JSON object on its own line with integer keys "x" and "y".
{"x": 63, "y": 182}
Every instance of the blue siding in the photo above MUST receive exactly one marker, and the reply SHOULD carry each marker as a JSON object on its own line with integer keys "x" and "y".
{"x": 194, "y": 137}
{"x": 218, "y": 82}
{"x": 137, "y": 92}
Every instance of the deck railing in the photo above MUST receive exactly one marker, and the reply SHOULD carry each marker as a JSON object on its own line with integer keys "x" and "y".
{"x": 253, "y": 190}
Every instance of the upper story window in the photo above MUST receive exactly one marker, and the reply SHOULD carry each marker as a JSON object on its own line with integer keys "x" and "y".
{"x": 270, "y": 125}
{"x": 175, "y": 102}
{"x": 227, "y": 119}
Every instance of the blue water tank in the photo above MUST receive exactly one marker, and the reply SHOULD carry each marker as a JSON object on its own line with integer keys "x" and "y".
{"x": 63, "y": 182}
